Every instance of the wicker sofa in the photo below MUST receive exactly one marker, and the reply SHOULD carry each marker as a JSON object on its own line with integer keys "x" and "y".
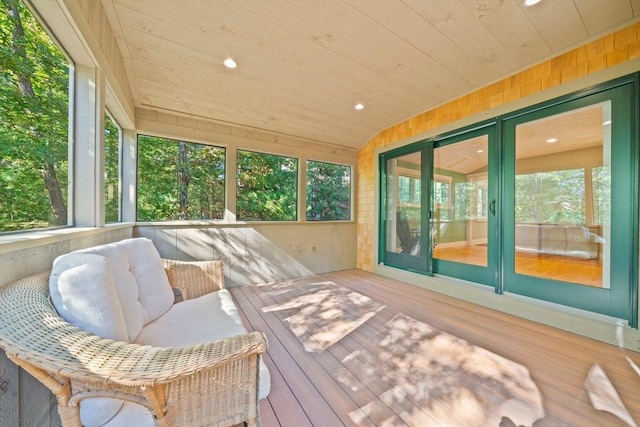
{"x": 154, "y": 362}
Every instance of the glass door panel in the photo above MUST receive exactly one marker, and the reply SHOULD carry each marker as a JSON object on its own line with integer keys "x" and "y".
{"x": 463, "y": 207}
{"x": 460, "y": 201}
{"x": 570, "y": 203}
{"x": 404, "y": 213}
{"x": 563, "y": 196}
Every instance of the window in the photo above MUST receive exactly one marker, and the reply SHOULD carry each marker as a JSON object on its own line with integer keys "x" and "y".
{"x": 551, "y": 197}
{"x": 179, "y": 180}
{"x": 112, "y": 137}
{"x": 409, "y": 190}
{"x": 267, "y": 187}
{"x": 34, "y": 111}
{"x": 328, "y": 191}
{"x": 442, "y": 196}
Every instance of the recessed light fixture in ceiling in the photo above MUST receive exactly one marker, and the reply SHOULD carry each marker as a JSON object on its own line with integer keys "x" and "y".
{"x": 552, "y": 140}
{"x": 528, "y": 3}
{"x": 230, "y": 63}
{"x": 359, "y": 106}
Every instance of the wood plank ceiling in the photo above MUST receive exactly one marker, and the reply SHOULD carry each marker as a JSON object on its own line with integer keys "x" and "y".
{"x": 303, "y": 65}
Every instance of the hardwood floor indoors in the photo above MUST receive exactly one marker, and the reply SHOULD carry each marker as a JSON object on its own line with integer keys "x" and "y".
{"x": 354, "y": 348}
{"x": 586, "y": 272}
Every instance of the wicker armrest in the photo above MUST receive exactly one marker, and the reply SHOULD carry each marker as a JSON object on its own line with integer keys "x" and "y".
{"x": 194, "y": 278}
{"x": 183, "y": 383}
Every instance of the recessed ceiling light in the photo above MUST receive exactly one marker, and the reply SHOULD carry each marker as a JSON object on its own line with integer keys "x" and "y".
{"x": 606, "y": 122}
{"x": 528, "y": 3}
{"x": 552, "y": 140}
{"x": 359, "y": 106}
{"x": 480, "y": 151}
{"x": 230, "y": 63}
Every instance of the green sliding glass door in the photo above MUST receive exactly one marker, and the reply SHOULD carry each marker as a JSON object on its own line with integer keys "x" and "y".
{"x": 404, "y": 217}
{"x": 463, "y": 205}
{"x": 439, "y": 203}
{"x": 570, "y": 203}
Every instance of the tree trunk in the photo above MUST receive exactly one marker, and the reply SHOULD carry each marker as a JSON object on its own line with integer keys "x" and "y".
{"x": 183, "y": 176}
{"x": 52, "y": 185}
{"x": 56, "y": 200}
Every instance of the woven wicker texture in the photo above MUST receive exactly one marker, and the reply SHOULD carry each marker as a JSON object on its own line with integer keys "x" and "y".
{"x": 194, "y": 278}
{"x": 214, "y": 383}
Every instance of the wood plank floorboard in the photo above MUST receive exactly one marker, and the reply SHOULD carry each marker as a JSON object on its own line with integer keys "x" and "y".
{"x": 376, "y": 373}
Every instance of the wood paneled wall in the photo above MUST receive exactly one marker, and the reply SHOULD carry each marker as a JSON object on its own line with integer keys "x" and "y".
{"x": 595, "y": 57}
{"x": 258, "y": 253}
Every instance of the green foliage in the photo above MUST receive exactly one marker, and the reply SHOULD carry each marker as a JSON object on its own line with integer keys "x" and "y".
{"x": 179, "y": 180}
{"x": 328, "y": 191}
{"x": 111, "y": 167}
{"x": 33, "y": 123}
{"x": 551, "y": 197}
{"x": 267, "y": 187}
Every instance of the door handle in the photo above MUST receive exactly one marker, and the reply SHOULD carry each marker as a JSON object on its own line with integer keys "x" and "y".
{"x": 492, "y": 207}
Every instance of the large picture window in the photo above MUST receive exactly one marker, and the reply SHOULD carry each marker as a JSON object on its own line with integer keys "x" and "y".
{"x": 34, "y": 111}
{"x": 267, "y": 187}
{"x": 179, "y": 180}
{"x": 328, "y": 191}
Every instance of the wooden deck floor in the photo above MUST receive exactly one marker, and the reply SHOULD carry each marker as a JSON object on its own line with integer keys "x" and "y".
{"x": 354, "y": 348}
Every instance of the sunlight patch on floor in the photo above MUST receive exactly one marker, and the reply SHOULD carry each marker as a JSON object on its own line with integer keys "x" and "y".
{"x": 603, "y": 395}
{"x": 440, "y": 379}
{"x": 324, "y": 312}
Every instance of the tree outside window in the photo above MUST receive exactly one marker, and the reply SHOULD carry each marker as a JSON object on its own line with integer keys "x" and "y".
{"x": 267, "y": 187}
{"x": 112, "y": 136}
{"x": 328, "y": 191}
{"x": 34, "y": 111}
{"x": 179, "y": 180}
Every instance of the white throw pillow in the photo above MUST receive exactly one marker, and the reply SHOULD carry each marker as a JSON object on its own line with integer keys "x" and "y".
{"x": 83, "y": 293}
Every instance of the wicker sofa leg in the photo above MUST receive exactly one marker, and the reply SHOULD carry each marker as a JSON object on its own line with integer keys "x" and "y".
{"x": 61, "y": 388}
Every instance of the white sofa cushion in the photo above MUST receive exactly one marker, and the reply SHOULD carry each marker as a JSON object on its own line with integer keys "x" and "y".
{"x": 84, "y": 294}
{"x": 207, "y": 318}
{"x": 131, "y": 414}
{"x": 141, "y": 282}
